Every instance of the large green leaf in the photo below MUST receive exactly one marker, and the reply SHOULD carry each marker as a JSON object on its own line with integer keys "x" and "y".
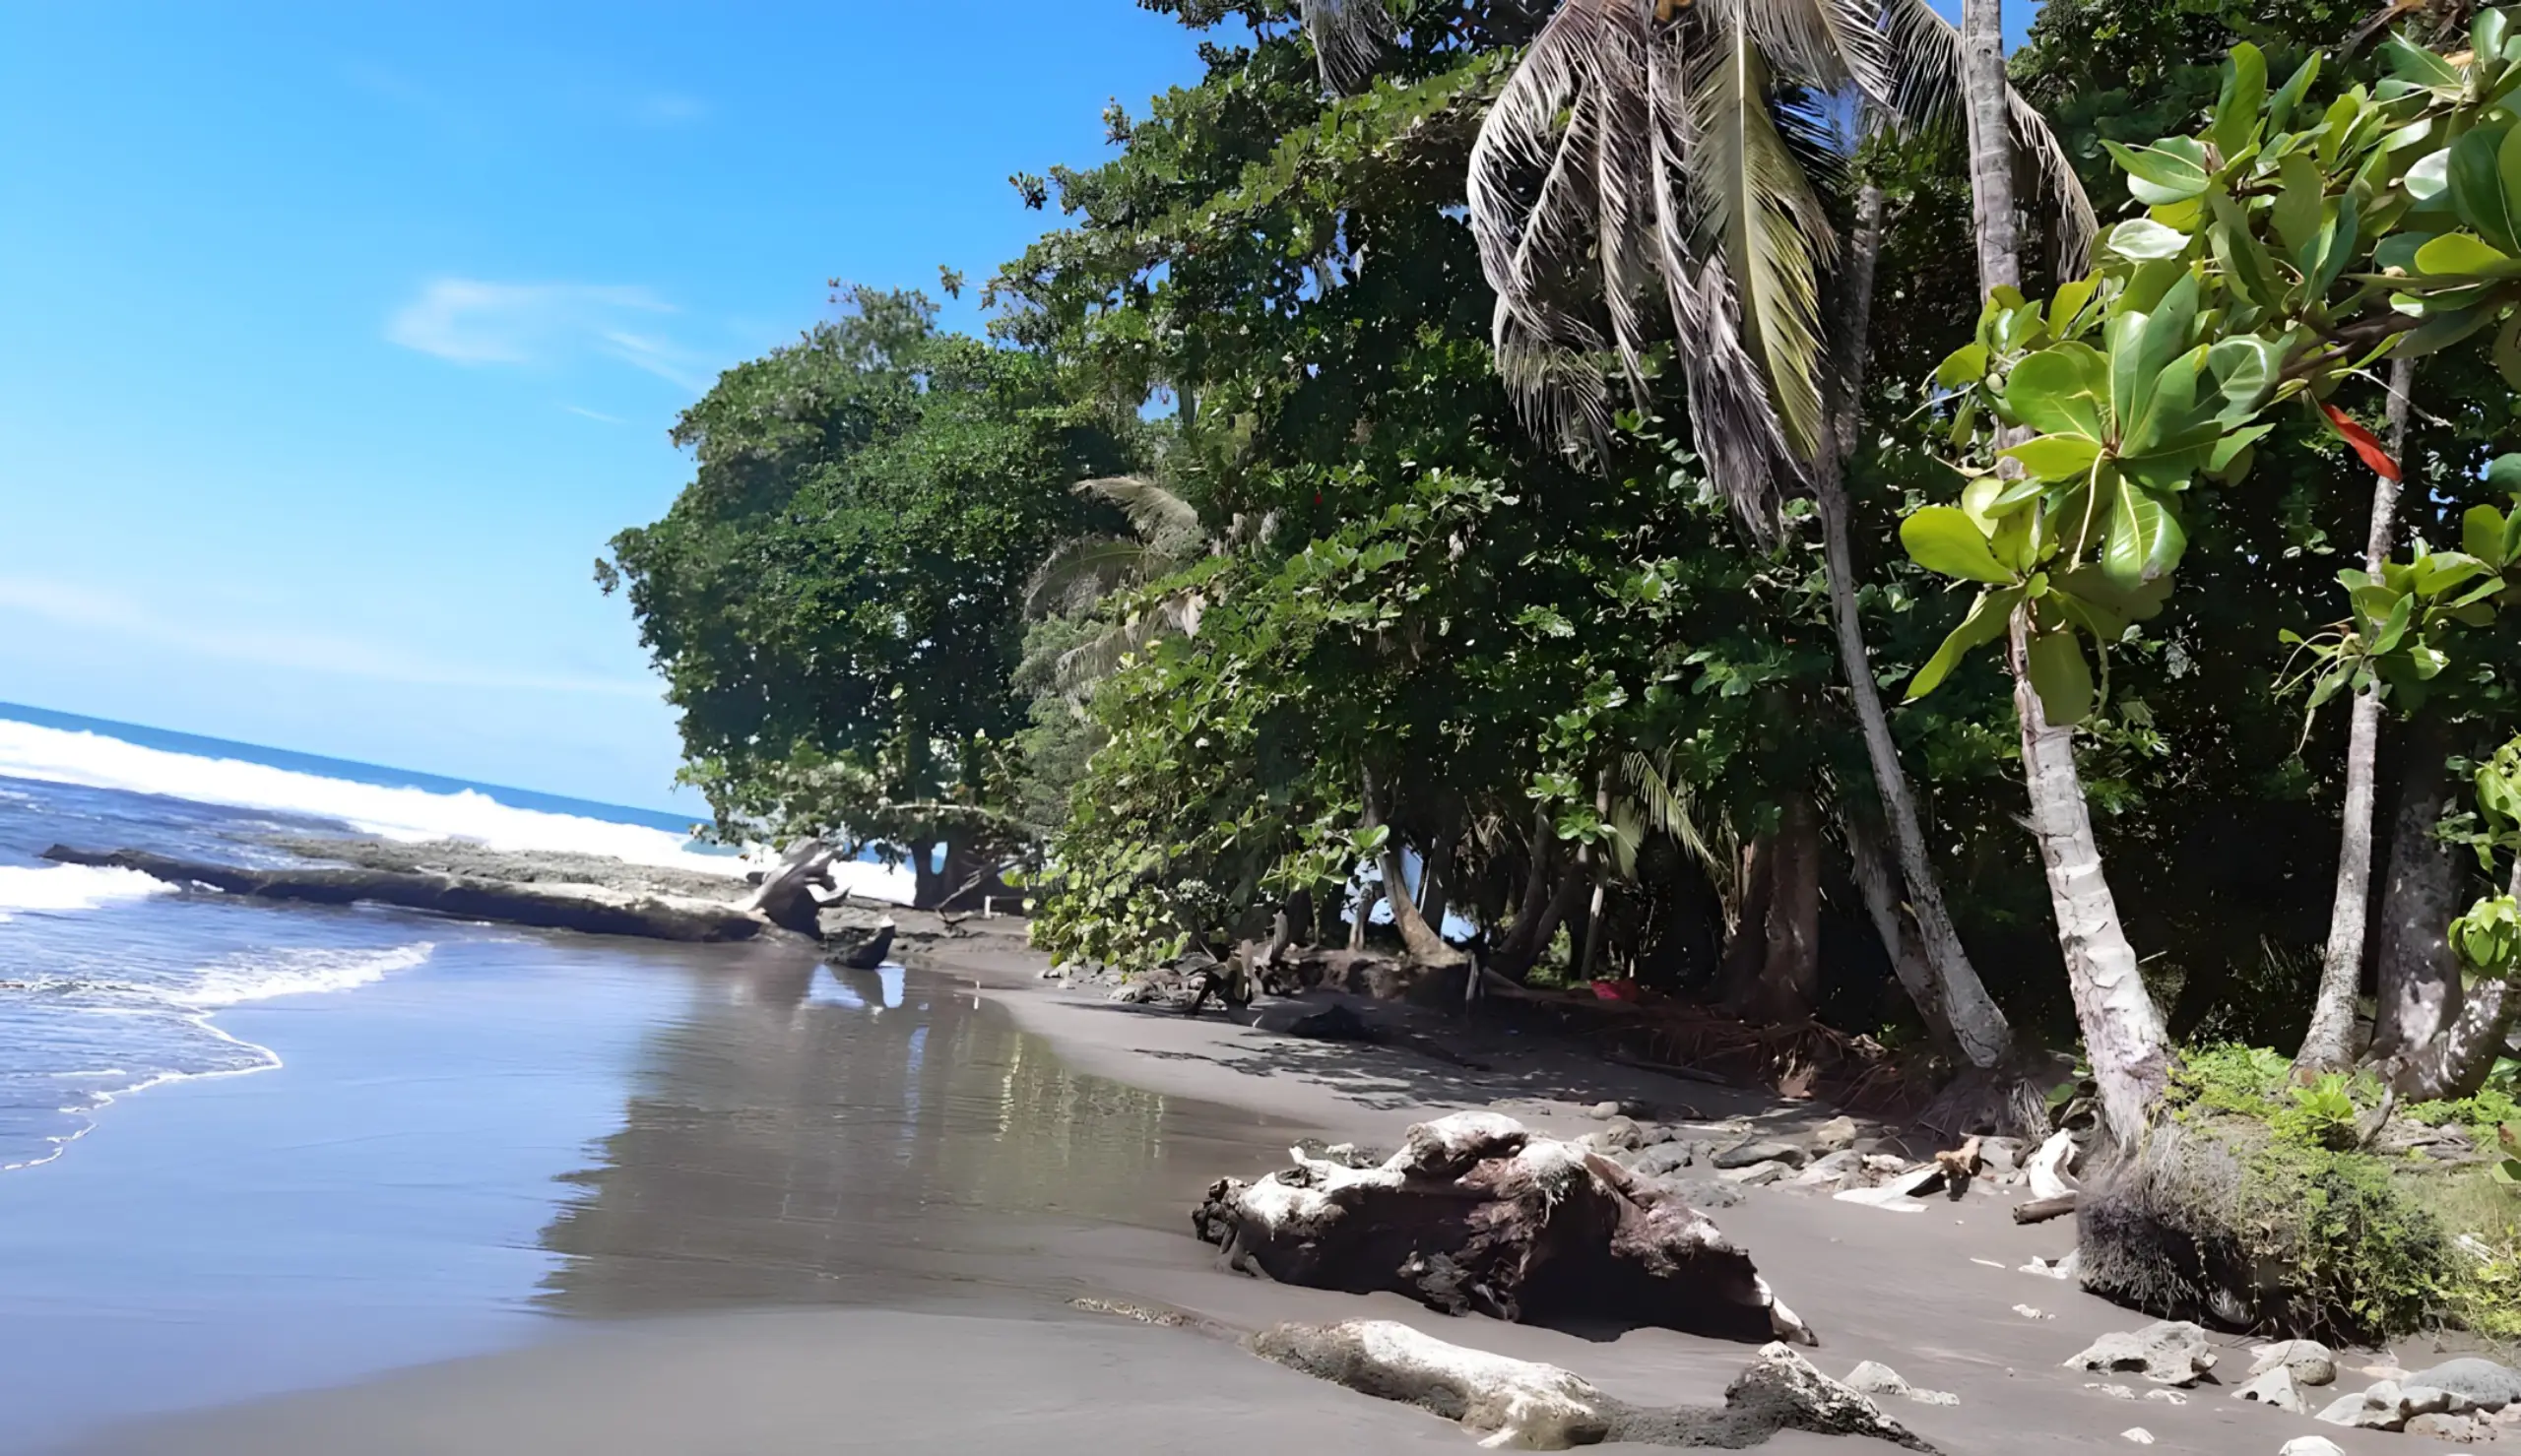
{"x": 2246, "y": 367}
{"x": 2337, "y": 245}
{"x": 2455, "y": 254}
{"x": 2144, "y": 240}
{"x": 2062, "y": 389}
{"x": 2056, "y": 457}
{"x": 2171, "y": 170}
{"x": 1986, "y": 621}
{"x": 2061, "y": 676}
{"x": 2244, "y": 94}
{"x": 1945, "y": 540}
{"x": 2144, "y": 539}
{"x": 2141, "y": 602}
{"x": 2478, "y": 195}
{"x": 2417, "y": 66}
{"x": 2482, "y": 535}
{"x": 2168, "y": 408}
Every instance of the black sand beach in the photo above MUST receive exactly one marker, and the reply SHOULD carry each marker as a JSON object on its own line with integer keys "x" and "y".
{"x": 716, "y": 1200}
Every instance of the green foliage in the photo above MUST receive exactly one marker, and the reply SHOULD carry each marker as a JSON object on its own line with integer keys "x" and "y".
{"x": 2322, "y": 1115}
{"x": 835, "y": 600}
{"x": 2356, "y": 1245}
{"x": 2249, "y": 1081}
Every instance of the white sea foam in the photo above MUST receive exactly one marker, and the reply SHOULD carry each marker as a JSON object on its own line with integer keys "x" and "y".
{"x": 264, "y": 974}
{"x": 62, "y": 887}
{"x": 94, "y": 761}
{"x": 412, "y": 815}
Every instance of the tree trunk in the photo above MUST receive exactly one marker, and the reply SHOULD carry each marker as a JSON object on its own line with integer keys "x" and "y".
{"x": 1368, "y": 897}
{"x": 1990, "y": 131}
{"x": 928, "y": 881}
{"x": 1747, "y": 953}
{"x": 1956, "y": 1001}
{"x": 1519, "y": 946}
{"x": 1602, "y": 885}
{"x": 2460, "y": 1057}
{"x": 1436, "y": 880}
{"x": 1877, "y": 878}
{"x": 2327, "y": 1046}
{"x": 1789, "y": 986}
{"x": 2420, "y": 972}
{"x": 2122, "y": 1028}
{"x": 1571, "y": 885}
{"x": 1422, "y": 941}
{"x": 2124, "y": 1032}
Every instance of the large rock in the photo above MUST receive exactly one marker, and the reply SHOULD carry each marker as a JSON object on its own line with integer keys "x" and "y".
{"x": 2278, "y": 1388}
{"x": 2309, "y": 1360}
{"x": 1477, "y": 1213}
{"x": 1520, "y": 1405}
{"x": 2166, "y": 1352}
{"x": 2484, "y": 1383}
{"x": 1758, "y": 1151}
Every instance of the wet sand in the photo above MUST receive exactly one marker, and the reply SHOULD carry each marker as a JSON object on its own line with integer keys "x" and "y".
{"x": 925, "y": 1189}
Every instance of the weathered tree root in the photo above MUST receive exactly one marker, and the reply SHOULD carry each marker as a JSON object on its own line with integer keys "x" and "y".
{"x": 589, "y": 909}
{"x": 1475, "y": 1214}
{"x": 1520, "y": 1405}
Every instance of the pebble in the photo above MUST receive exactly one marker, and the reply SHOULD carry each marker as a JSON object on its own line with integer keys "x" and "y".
{"x": 1836, "y": 1134}
{"x": 1603, "y": 1110}
{"x": 2166, "y": 1397}
{"x": 2139, "y": 1434}
{"x": 2027, "y": 1313}
{"x": 2311, "y": 1446}
{"x": 2114, "y": 1392}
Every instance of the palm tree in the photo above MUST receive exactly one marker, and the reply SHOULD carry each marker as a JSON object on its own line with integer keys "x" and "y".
{"x": 1681, "y": 149}
{"x": 2124, "y": 1037}
{"x": 1167, "y": 537}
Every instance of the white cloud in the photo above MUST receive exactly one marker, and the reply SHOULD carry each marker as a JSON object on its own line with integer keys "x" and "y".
{"x": 293, "y": 645}
{"x": 475, "y": 321}
{"x": 595, "y": 415}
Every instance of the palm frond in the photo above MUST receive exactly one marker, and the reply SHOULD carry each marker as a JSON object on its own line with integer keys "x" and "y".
{"x": 1100, "y": 656}
{"x": 1925, "y": 50}
{"x": 1768, "y": 223}
{"x": 1828, "y": 46}
{"x": 1081, "y": 572}
{"x": 1349, "y": 37}
{"x": 1164, "y": 520}
{"x": 1671, "y": 808}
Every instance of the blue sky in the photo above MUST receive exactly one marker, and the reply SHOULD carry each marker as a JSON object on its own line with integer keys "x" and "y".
{"x": 336, "y": 340}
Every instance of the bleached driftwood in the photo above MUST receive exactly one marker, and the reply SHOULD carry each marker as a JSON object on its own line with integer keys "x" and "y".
{"x": 591, "y": 909}
{"x": 1525, "y": 1406}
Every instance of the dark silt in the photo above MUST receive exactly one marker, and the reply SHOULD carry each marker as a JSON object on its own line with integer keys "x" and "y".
{"x": 527, "y": 1127}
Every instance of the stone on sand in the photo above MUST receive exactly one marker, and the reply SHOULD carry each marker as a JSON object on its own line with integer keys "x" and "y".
{"x": 1836, "y": 1135}
{"x": 2485, "y": 1383}
{"x": 2166, "y": 1352}
{"x": 2309, "y": 1445}
{"x": 2444, "y": 1427}
{"x": 2309, "y": 1360}
{"x": 1758, "y": 1151}
{"x": 2276, "y": 1387}
{"x": 1758, "y": 1175}
{"x": 1877, "y": 1380}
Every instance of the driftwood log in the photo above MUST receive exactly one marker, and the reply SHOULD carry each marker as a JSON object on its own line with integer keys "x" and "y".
{"x": 1520, "y": 1405}
{"x": 1476, "y": 1213}
{"x": 591, "y": 908}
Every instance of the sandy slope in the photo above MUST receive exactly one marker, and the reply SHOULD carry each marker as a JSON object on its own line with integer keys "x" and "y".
{"x": 1909, "y": 1290}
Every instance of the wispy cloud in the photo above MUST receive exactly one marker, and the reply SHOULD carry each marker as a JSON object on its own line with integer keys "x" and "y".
{"x": 669, "y": 108}
{"x": 595, "y": 415}
{"x": 477, "y": 322}
{"x": 68, "y": 605}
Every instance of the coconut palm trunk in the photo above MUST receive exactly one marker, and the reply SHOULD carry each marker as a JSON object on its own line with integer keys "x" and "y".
{"x": 2328, "y": 1044}
{"x": 1953, "y": 998}
{"x": 2123, "y": 1031}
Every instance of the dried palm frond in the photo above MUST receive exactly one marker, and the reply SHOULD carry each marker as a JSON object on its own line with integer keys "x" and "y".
{"x": 1163, "y": 519}
{"x": 1083, "y": 571}
{"x": 1681, "y": 150}
{"x": 1349, "y": 38}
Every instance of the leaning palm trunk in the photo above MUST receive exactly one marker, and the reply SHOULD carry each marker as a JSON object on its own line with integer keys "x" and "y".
{"x": 2327, "y": 1046}
{"x": 2124, "y": 1032}
{"x": 2461, "y": 1057}
{"x": 1953, "y": 999}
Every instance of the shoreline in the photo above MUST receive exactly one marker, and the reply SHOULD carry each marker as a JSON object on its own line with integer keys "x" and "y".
{"x": 1920, "y": 1292}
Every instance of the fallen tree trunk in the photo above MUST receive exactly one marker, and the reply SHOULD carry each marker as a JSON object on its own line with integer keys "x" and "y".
{"x": 590, "y": 909}
{"x": 1476, "y": 1213}
{"x": 1524, "y": 1405}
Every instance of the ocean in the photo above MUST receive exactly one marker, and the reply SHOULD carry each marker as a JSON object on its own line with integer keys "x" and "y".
{"x": 111, "y": 984}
